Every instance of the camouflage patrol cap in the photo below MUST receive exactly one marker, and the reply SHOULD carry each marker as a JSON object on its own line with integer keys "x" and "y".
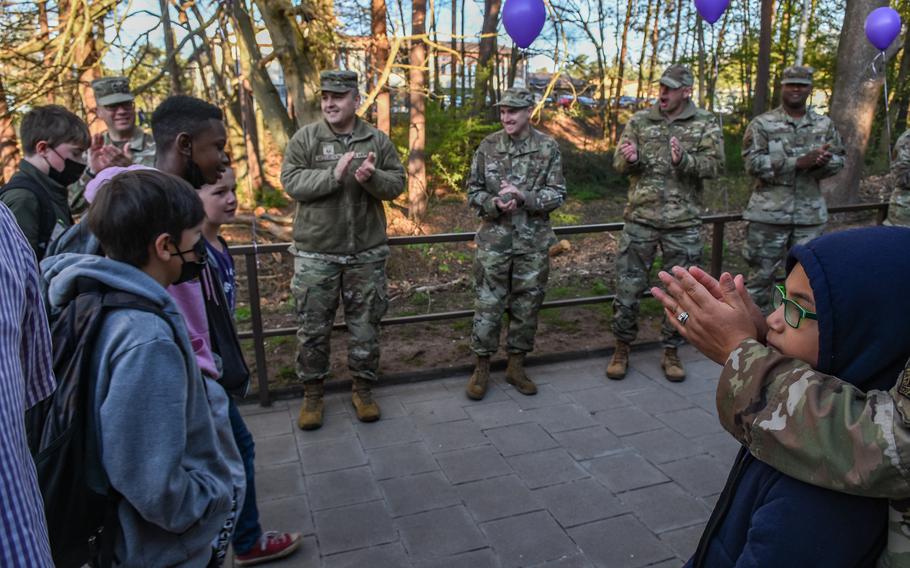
{"x": 676, "y": 76}
{"x": 798, "y": 74}
{"x": 112, "y": 90}
{"x": 516, "y": 97}
{"x": 338, "y": 81}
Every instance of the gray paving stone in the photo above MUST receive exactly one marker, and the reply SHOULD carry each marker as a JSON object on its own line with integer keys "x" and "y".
{"x": 547, "y": 395}
{"x": 273, "y": 423}
{"x": 706, "y": 400}
{"x": 357, "y": 526}
{"x": 418, "y": 493}
{"x": 437, "y": 411}
{"x": 683, "y": 541}
{"x": 335, "y": 427}
{"x": 619, "y": 542}
{"x": 695, "y": 383}
{"x": 418, "y": 392}
{"x": 335, "y": 404}
{"x": 495, "y": 392}
{"x": 475, "y": 559}
{"x": 279, "y": 481}
{"x": 657, "y": 400}
{"x": 332, "y": 455}
{"x": 665, "y": 507}
{"x": 472, "y": 464}
{"x": 648, "y": 364}
{"x": 498, "y": 414}
{"x": 497, "y": 498}
{"x": 400, "y": 461}
{"x": 580, "y": 502}
{"x": 250, "y": 406}
{"x": 390, "y": 555}
{"x": 567, "y": 561}
{"x": 452, "y": 435}
{"x": 589, "y": 443}
{"x": 625, "y": 421}
{"x": 547, "y": 467}
{"x": 575, "y": 381}
{"x": 340, "y": 488}
{"x": 520, "y": 439}
{"x": 562, "y": 417}
{"x": 275, "y": 450}
{"x": 528, "y": 539}
{"x": 291, "y": 514}
{"x": 389, "y": 406}
{"x": 440, "y": 533}
{"x": 692, "y": 422}
{"x": 664, "y": 445}
{"x": 702, "y": 367}
{"x": 722, "y": 446}
{"x": 623, "y": 472}
{"x": 387, "y": 432}
{"x": 602, "y": 397}
{"x": 699, "y": 475}
{"x": 672, "y": 563}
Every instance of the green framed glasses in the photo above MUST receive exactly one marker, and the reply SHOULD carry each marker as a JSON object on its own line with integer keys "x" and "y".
{"x": 793, "y": 312}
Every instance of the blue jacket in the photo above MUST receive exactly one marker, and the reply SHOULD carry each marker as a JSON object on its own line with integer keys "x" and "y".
{"x": 165, "y": 445}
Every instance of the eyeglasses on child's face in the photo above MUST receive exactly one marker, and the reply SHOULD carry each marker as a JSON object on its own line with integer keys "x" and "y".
{"x": 793, "y": 312}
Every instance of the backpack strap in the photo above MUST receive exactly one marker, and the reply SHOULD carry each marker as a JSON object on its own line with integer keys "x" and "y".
{"x": 47, "y": 218}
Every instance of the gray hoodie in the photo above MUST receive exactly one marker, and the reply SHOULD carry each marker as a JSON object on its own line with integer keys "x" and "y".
{"x": 162, "y": 446}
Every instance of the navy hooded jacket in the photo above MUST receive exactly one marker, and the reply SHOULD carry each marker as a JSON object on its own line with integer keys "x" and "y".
{"x": 765, "y": 518}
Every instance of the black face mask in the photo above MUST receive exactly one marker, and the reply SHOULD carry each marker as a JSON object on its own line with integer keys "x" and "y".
{"x": 191, "y": 270}
{"x": 72, "y": 171}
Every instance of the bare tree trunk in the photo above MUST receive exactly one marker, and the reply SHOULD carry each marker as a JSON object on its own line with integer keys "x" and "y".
{"x": 602, "y": 69}
{"x": 785, "y": 42}
{"x": 88, "y": 62}
{"x": 417, "y": 171}
{"x": 483, "y": 74}
{"x": 655, "y": 31}
{"x": 380, "y": 47}
{"x": 702, "y": 63}
{"x": 763, "y": 73}
{"x": 9, "y": 145}
{"x": 641, "y": 57}
{"x": 855, "y": 97}
{"x": 679, "y": 9}
{"x": 899, "y": 92}
{"x": 623, "y": 50}
{"x": 803, "y": 32}
{"x": 173, "y": 66}
{"x": 747, "y": 59}
{"x": 453, "y": 62}
{"x": 464, "y": 60}
{"x": 514, "y": 58}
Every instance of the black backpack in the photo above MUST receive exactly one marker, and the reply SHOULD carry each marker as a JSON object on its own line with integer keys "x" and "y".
{"x": 47, "y": 218}
{"x": 79, "y": 504}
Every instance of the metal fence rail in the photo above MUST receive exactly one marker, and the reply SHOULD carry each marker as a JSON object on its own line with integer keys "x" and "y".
{"x": 258, "y": 334}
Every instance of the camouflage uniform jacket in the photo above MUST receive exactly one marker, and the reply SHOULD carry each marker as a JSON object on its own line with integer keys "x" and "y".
{"x": 899, "y": 206}
{"x": 340, "y": 217}
{"x": 142, "y": 148}
{"x": 534, "y": 166}
{"x": 662, "y": 195}
{"x": 782, "y": 195}
{"x": 823, "y": 431}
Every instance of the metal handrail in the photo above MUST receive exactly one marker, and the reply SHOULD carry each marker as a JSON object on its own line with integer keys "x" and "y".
{"x": 257, "y": 333}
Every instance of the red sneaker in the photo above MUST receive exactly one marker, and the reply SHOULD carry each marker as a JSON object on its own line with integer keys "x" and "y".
{"x": 271, "y": 546}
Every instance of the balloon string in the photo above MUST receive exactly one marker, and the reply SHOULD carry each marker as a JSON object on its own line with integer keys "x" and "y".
{"x": 887, "y": 113}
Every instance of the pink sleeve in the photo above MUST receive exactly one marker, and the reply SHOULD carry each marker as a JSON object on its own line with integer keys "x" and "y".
{"x": 188, "y": 297}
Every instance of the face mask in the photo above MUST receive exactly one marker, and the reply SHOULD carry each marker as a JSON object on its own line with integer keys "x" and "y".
{"x": 72, "y": 170}
{"x": 194, "y": 173}
{"x": 191, "y": 270}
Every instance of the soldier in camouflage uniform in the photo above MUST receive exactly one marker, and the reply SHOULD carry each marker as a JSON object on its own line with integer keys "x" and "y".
{"x": 123, "y": 141}
{"x": 787, "y": 150}
{"x": 339, "y": 170}
{"x": 667, "y": 151}
{"x": 899, "y": 206}
{"x": 515, "y": 182}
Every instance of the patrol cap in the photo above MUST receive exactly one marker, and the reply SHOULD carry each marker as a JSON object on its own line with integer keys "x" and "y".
{"x": 676, "y": 76}
{"x": 516, "y": 97}
{"x": 112, "y": 90}
{"x": 798, "y": 74}
{"x": 338, "y": 81}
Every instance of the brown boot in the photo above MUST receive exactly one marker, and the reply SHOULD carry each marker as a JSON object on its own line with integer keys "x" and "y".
{"x": 362, "y": 397}
{"x": 477, "y": 384}
{"x": 311, "y": 411}
{"x": 515, "y": 374}
{"x": 672, "y": 366}
{"x": 619, "y": 364}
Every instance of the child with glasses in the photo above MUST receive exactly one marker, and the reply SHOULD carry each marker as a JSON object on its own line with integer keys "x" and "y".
{"x": 843, "y": 309}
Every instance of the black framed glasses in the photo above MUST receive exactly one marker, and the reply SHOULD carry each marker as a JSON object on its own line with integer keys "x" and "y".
{"x": 793, "y": 312}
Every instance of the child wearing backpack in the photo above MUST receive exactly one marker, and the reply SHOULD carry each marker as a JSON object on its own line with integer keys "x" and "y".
{"x": 160, "y": 443}
{"x": 251, "y": 544}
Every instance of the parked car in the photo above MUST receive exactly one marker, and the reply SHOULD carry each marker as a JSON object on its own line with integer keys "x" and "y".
{"x": 565, "y": 101}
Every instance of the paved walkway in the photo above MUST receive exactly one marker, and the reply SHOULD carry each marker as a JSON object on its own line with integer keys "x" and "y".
{"x": 588, "y": 472}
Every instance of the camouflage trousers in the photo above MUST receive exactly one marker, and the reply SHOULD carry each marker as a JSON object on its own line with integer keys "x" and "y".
{"x": 899, "y": 208}
{"x": 637, "y": 250}
{"x": 516, "y": 282}
{"x": 765, "y": 250}
{"x": 316, "y": 286}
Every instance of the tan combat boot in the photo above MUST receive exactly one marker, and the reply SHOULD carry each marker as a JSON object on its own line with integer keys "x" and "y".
{"x": 515, "y": 375}
{"x": 672, "y": 366}
{"x": 311, "y": 412}
{"x": 477, "y": 384}
{"x": 619, "y": 364}
{"x": 362, "y": 398}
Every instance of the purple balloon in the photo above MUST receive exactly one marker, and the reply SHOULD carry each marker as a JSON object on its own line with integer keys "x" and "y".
{"x": 711, "y": 10}
{"x": 523, "y": 20}
{"x": 882, "y": 26}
